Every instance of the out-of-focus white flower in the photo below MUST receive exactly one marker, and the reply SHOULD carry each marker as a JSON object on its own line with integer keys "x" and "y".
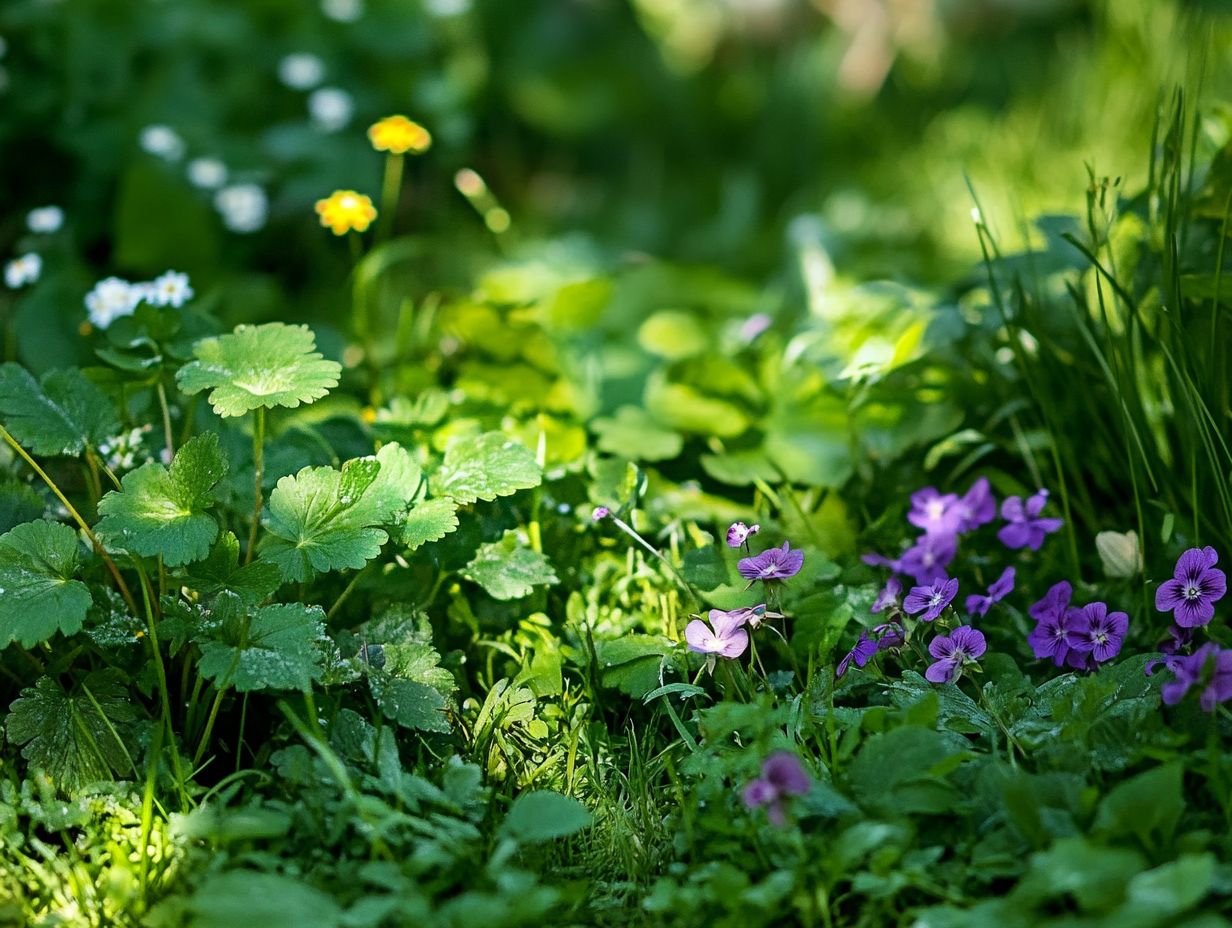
{"x": 170, "y": 289}
{"x": 112, "y": 298}
{"x": 207, "y": 173}
{"x": 125, "y": 451}
{"x": 1120, "y": 553}
{"x": 22, "y": 271}
{"x": 243, "y": 207}
{"x": 301, "y": 70}
{"x": 330, "y": 108}
{"x": 343, "y": 11}
{"x": 162, "y": 142}
{"x": 443, "y": 9}
{"x": 45, "y": 219}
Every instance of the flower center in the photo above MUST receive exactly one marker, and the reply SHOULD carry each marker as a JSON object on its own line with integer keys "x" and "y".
{"x": 1192, "y": 592}
{"x": 935, "y": 509}
{"x": 935, "y": 599}
{"x": 1101, "y": 638}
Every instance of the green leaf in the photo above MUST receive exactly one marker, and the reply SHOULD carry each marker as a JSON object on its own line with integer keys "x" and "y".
{"x": 430, "y": 520}
{"x": 18, "y": 504}
{"x": 253, "y": 582}
{"x": 62, "y": 415}
{"x": 37, "y": 563}
{"x": 631, "y": 433}
{"x": 323, "y": 519}
{"x": 1148, "y": 804}
{"x": 277, "y": 651}
{"x": 507, "y": 570}
{"x": 893, "y": 773}
{"x": 247, "y": 897}
{"x": 485, "y": 467}
{"x": 633, "y": 664}
{"x": 259, "y": 366}
{"x": 67, "y": 736}
{"x": 544, "y": 816}
{"x": 410, "y": 703}
{"x": 1174, "y": 887}
{"x": 161, "y": 510}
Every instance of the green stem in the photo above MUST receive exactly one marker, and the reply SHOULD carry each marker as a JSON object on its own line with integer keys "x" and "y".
{"x": 164, "y": 694}
{"x": 76, "y": 516}
{"x": 258, "y": 466}
{"x": 391, "y": 191}
{"x": 167, "y": 436}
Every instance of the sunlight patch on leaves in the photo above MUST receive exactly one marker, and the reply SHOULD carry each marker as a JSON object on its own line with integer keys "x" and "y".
{"x": 259, "y": 366}
{"x": 483, "y": 467}
{"x": 162, "y": 511}
{"x": 40, "y": 596}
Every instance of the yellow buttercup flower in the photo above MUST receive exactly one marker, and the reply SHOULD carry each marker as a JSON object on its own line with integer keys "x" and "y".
{"x": 345, "y": 210}
{"x": 398, "y": 135}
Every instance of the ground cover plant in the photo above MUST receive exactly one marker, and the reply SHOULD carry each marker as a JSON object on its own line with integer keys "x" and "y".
{"x": 404, "y": 522}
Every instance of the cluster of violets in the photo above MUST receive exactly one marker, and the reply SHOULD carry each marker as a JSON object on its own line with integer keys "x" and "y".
{"x": 782, "y": 777}
{"x": 943, "y": 519}
{"x": 725, "y": 633}
{"x": 1196, "y": 585}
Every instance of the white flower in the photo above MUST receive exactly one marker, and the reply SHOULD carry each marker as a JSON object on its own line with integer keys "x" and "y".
{"x": 23, "y": 270}
{"x": 45, "y": 219}
{"x": 207, "y": 173}
{"x": 170, "y": 289}
{"x": 330, "y": 108}
{"x": 243, "y": 207}
{"x": 446, "y": 8}
{"x": 1120, "y": 553}
{"x": 301, "y": 71}
{"x": 343, "y": 11}
{"x": 162, "y": 142}
{"x": 112, "y": 298}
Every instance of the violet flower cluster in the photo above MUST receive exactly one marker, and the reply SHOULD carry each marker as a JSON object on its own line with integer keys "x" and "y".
{"x": 1081, "y": 637}
{"x": 782, "y": 776}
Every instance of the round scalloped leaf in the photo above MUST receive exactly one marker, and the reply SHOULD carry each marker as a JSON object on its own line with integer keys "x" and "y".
{"x": 37, "y": 563}
{"x": 259, "y": 366}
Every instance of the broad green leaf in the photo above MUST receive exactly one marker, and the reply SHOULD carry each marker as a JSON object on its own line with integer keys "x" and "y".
{"x": 323, "y": 519}
{"x": 430, "y": 520}
{"x": 485, "y": 467}
{"x": 40, "y": 596}
{"x": 62, "y": 415}
{"x": 1148, "y": 805}
{"x": 18, "y": 504}
{"x": 66, "y": 736}
{"x": 1174, "y": 887}
{"x": 259, "y": 366}
{"x": 270, "y": 900}
{"x": 163, "y": 511}
{"x": 411, "y": 704}
{"x": 253, "y": 582}
{"x": 634, "y": 664}
{"x": 507, "y": 570}
{"x": 894, "y": 772}
{"x": 682, "y": 407}
{"x": 544, "y": 816}
{"x": 277, "y": 651}
{"x": 631, "y": 433}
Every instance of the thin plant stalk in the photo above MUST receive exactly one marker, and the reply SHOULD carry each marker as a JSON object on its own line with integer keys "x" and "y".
{"x": 258, "y": 465}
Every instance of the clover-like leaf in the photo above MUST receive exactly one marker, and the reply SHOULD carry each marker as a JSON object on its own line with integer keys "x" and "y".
{"x": 430, "y": 520}
{"x": 323, "y": 519}
{"x": 410, "y": 703}
{"x": 259, "y": 366}
{"x": 63, "y": 414}
{"x": 632, "y": 433}
{"x": 485, "y": 467}
{"x": 161, "y": 510}
{"x": 73, "y": 737}
{"x": 278, "y": 650}
{"x": 507, "y": 570}
{"x": 220, "y": 571}
{"x": 40, "y": 596}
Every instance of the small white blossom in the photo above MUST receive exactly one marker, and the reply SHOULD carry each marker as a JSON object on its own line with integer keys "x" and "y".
{"x": 243, "y": 207}
{"x": 170, "y": 289}
{"x": 22, "y": 271}
{"x": 124, "y": 451}
{"x": 207, "y": 173}
{"x": 110, "y": 299}
{"x": 444, "y": 9}
{"x": 162, "y": 142}
{"x": 330, "y": 108}
{"x": 343, "y": 11}
{"x": 301, "y": 71}
{"x": 45, "y": 220}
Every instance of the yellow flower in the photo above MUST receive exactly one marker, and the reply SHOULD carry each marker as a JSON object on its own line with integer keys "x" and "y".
{"x": 345, "y": 210}
{"x": 399, "y": 135}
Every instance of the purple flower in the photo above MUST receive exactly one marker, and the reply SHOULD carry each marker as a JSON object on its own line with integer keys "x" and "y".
{"x": 888, "y": 596}
{"x": 1196, "y": 585}
{"x": 1026, "y": 529}
{"x": 754, "y": 326}
{"x": 782, "y": 776}
{"x": 739, "y": 533}
{"x": 772, "y": 564}
{"x": 873, "y": 559}
{"x": 1054, "y": 603}
{"x": 1190, "y": 669}
{"x": 930, "y": 600}
{"x": 934, "y": 512}
{"x": 961, "y": 646}
{"x": 860, "y": 655}
{"x": 1099, "y": 632}
{"x": 890, "y": 635}
{"x": 754, "y": 615}
{"x": 723, "y": 636}
{"x": 600, "y": 513}
{"x": 928, "y": 558}
{"x": 1055, "y": 637}
{"x": 977, "y": 506}
{"x": 1001, "y": 588}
